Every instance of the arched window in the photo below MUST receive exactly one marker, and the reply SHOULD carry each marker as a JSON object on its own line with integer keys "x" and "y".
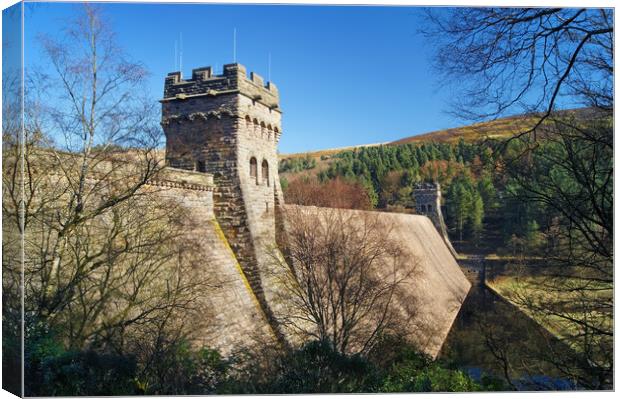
{"x": 430, "y": 208}
{"x": 254, "y": 169}
{"x": 248, "y": 122}
{"x": 423, "y": 207}
{"x": 262, "y": 130}
{"x": 265, "y": 170}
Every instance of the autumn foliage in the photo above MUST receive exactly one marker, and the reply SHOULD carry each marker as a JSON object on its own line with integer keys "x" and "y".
{"x": 336, "y": 193}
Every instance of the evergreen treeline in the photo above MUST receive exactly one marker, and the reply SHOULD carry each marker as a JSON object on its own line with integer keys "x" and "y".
{"x": 476, "y": 190}
{"x": 297, "y": 164}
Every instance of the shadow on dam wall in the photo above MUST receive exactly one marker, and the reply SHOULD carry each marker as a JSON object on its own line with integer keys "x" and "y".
{"x": 489, "y": 329}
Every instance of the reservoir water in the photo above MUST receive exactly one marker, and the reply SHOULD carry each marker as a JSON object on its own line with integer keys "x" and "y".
{"x": 491, "y": 336}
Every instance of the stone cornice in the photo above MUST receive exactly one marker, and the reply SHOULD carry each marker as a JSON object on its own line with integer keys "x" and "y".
{"x": 214, "y": 93}
{"x": 179, "y": 184}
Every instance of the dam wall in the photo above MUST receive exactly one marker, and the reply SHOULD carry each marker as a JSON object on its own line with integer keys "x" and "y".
{"x": 437, "y": 287}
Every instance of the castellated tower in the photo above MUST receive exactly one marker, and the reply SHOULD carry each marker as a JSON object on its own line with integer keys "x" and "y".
{"x": 428, "y": 202}
{"x": 229, "y": 126}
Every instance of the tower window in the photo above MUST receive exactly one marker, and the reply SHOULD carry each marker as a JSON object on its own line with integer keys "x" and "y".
{"x": 201, "y": 166}
{"x": 254, "y": 169}
{"x": 265, "y": 170}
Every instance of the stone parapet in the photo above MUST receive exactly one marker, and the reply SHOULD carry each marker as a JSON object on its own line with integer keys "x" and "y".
{"x": 185, "y": 179}
{"x": 233, "y": 80}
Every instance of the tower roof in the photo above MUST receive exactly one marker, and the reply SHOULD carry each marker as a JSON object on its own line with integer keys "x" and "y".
{"x": 233, "y": 80}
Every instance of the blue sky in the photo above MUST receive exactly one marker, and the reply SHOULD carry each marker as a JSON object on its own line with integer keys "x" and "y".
{"x": 347, "y": 75}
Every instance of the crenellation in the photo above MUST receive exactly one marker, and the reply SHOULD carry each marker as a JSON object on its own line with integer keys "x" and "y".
{"x": 173, "y": 78}
{"x": 234, "y": 70}
{"x": 257, "y": 79}
{"x": 272, "y": 88}
{"x": 201, "y": 73}
{"x": 233, "y": 80}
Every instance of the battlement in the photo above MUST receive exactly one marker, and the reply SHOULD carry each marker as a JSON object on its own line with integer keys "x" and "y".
{"x": 234, "y": 79}
{"x": 429, "y": 187}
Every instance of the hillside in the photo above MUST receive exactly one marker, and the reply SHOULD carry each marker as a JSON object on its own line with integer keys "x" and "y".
{"x": 296, "y": 165}
{"x": 495, "y": 129}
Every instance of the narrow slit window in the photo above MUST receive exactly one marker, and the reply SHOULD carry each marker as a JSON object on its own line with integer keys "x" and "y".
{"x": 265, "y": 170}
{"x": 254, "y": 169}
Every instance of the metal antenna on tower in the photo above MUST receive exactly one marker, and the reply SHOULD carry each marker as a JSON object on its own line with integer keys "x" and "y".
{"x": 176, "y": 55}
{"x": 234, "y": 45}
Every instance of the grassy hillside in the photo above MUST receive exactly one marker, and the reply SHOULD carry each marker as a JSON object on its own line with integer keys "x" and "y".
{"x": 495, "y": 129}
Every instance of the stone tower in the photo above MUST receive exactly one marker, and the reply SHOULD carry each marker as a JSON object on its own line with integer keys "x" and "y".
{"x": 428, "y": 202}
{"x": 228, "y": 125}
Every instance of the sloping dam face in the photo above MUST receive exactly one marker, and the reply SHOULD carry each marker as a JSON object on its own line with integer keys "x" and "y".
{"x": 434, "y": 292}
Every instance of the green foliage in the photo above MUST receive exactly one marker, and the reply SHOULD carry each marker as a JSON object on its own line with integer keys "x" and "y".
{"x": 314, "y": 368}
{"x": 488, "y": 192}
{"x": 407, "y": 370}
{"x": 318, "y": 368}
{"x": 465, "y": 207}
{"x": 372, "y": 194}
{"x": 297, "y": 164}
{"x": 483, "y": 184}
{"x": 179, "y": 369}
{"x": 393, "y": 170}
{"x": 409, "y": 376}
{"x": 51, "y": 370}
{"x": 284, "y": 183}
{"x": 176, "y": 368}
{"x": 82, "y": 373}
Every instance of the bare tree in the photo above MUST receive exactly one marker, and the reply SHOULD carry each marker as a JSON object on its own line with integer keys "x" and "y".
{"x": 519, "y": 60}
{"x": 570, "y": 174}
{"x": 537, "y": 60}
{"x": 108, "y": 260}
{"x": 346, "y": 278}
{"x": 12, "y": 358}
